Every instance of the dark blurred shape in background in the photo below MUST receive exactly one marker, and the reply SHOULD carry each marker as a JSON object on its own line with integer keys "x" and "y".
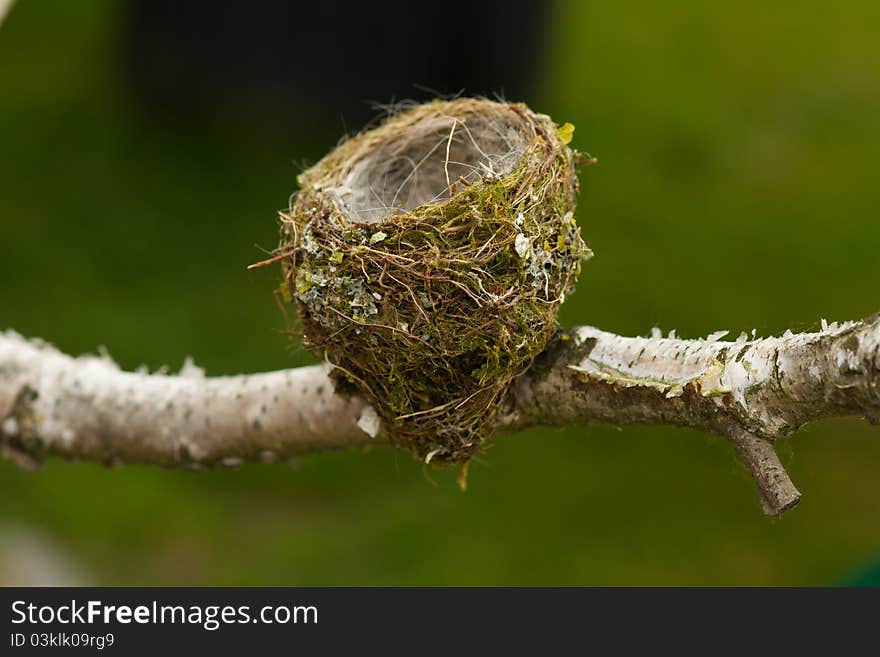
{"x": 188, "y": 58}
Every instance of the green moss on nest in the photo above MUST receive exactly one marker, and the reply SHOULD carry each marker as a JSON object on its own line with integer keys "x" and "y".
{"x": 428, "y": 258}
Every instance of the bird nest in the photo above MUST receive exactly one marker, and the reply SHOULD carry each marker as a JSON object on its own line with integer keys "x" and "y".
{"x": 428, "y": 258}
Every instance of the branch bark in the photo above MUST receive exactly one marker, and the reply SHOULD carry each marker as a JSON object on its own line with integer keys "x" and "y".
{"x": 753, "y": 392}
{"x": 86, "y": 408}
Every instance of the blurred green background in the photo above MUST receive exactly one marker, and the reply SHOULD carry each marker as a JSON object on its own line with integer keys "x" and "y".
{"x": 736, "y": 189}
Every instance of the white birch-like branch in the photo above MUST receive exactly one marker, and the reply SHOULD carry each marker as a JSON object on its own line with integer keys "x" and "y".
{"x": 5, "y": 6}
{"x": 753, "y": 392}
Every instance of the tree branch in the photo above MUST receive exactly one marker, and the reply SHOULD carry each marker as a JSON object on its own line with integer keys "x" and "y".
{"x": 87, "y": 408}
{"x": 5, "y": 6}
{"x": 753, "y": 392}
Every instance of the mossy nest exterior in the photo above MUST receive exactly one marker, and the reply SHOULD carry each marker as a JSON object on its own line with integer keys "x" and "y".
{"x": 428, "y": 258}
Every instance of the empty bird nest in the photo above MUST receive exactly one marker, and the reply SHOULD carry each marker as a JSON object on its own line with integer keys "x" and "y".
{"x": 428, "y": 258}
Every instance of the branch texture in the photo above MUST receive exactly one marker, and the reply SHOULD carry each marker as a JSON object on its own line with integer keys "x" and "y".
{"x": 753, "y": 392}
{"x": 87, "y": 408}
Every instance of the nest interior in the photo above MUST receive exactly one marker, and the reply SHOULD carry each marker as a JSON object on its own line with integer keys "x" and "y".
{"x": 428, "y": 258}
